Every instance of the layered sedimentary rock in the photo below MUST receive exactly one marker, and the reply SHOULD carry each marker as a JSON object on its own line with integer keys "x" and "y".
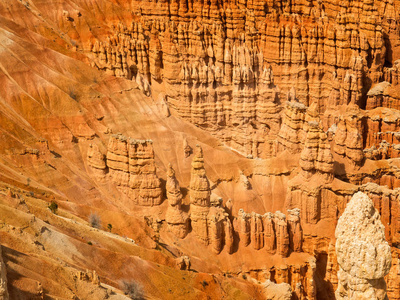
{"x": 296, "y": 122}
{"x": 269, "y": 232}
{"x": 382, "y": 134}
{"x": 199, "y": 197}
{"x": 132, "y": 169}
{"x": 96, "y": 160}
{"x": 299, "y": 279}
{"x": 316, "y": 163}
{"x": 291, "y": 134}
{"x": 316, "y": 156}
{"x": 295, "y": 230}
{"x": 183, "y": 262}
{"x": 176, "y": 218}
{"x": 262, "y": 77}
{"x": 363, "y": 254}
{"x": 220, "y": 230}
{"x": 244, "y": 228}
{"x": 227, "y": 66}
{"x": 386, "y": 204}
{"x": 348, "y": 138}
{"x": 282, "y": 234}
{"x": 273, "y": 232}
{"x": 210, "y": 222}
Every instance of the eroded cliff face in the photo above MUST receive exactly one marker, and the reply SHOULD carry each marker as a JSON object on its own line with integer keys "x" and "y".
{"x": 246, "y": 129}
{"x": 228, "y": 66}
{"x": 132, "y": 169}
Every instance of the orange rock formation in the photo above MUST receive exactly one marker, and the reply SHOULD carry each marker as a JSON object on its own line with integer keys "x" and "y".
{"x": 294, "y": 107}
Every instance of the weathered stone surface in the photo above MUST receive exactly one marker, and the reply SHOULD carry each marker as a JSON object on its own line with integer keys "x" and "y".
{"x": 186, "y": 148}
{"x": 265, "y": 79}
{"x": 176, "y": 219}
{"x": 363, "y": 254}
{"x": 282, "y": 235}
{"x": 132, "y": 169}
{"x": 349, "y": 139}
{"x": 261, "y": 231}
{"x": 244, "y": 228}
{"x": 210, "y": 222}
{"x": 220, "y": 230}
{"x": 199, "y": 197}
{"x": 199, "y": 184}
{"x": 183, "y": 262}
{"x": 281, "y": 291}
{"x": 295, "y": 230}
{"x": 228, "y": 74}
{"x": 269, "y": 232}
{"x": 97, "y": 161}
{"x": 316, "y": 156}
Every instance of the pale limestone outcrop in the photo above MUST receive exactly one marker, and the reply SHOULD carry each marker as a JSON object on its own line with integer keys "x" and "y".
{"x": 363, "y": 255}
{"x": 132, "y": 168}
{"x": 176, "y": 219}
{"x": 274, "y": 291}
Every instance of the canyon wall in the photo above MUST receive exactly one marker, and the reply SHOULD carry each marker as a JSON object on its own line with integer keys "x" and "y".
{"x": 247, "y": 128}
{"x": 229, "y": 66}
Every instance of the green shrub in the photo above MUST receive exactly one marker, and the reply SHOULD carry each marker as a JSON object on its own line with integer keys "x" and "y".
{"x": 53, "y": 207}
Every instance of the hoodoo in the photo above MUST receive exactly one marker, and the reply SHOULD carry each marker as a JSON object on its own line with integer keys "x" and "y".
{"x": 294, "y": 106}
{"x": 362, "y": 251}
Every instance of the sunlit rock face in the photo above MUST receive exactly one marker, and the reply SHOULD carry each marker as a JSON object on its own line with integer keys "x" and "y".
{"x": 363, "y": 254}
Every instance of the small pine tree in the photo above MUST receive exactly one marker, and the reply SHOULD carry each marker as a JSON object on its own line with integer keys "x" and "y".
{"x": 53, "y": 207}
{"x": 109, "y": 226}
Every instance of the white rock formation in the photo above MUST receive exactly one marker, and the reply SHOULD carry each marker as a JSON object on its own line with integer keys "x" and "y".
{"x": 274, "y": 291}
{"x": 363, "y": 254}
